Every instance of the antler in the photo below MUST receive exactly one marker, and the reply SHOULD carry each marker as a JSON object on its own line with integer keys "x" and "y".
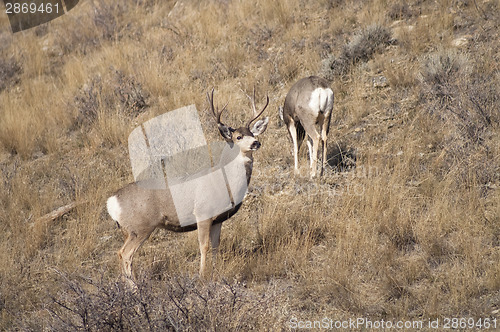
{"x": 254, "y": 109}
{"x": 216, "y": 114}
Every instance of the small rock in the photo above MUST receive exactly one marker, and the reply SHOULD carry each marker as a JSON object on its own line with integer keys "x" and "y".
{"x": 380, "y": 82}
{"x": 459, "y": 42}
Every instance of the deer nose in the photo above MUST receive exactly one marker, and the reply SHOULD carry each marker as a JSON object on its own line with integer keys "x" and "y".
{"x": 255, "y": 145}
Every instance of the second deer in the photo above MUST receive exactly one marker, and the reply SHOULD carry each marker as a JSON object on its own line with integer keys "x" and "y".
{"x": 308, "y": 110}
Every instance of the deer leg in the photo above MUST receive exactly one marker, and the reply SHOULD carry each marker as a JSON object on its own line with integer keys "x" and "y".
{"x": 293, "y": 133}
{"x": 215, "y": 240}
{"x": 204, "y": 230}
{"x": 324, "y": 134}
{"x": 309, "y": 147}
{"x": 323, "y": 157}
{"x": 126, "y": 253}
{"x": 314, "y": 156}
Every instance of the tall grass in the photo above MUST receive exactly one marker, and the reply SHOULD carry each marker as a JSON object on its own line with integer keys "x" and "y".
{"x": 404, "y": 225}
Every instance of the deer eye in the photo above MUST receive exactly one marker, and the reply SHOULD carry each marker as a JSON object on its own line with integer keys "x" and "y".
{"x": 239, "y": 138}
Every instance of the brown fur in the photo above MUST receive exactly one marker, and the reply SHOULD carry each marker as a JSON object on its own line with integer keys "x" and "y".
{"x": 142, "y": 210}
{"x": 301, "y": 119}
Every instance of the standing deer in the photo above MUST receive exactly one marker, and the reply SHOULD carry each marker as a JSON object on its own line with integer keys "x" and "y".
{"x": 308, "y": 110}
{"x": 139, "y": 211}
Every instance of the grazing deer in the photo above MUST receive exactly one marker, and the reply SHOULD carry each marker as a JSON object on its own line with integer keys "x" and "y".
{"x": 139, "y": 211}
{"x": 308, "y": 110}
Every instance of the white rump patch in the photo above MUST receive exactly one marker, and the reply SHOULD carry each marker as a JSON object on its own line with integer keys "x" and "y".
{"x": 321, "y": 101}
{"x": 114, "y": 208}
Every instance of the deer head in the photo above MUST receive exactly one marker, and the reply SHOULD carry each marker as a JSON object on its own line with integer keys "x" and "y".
{"x": 243, "y": 137}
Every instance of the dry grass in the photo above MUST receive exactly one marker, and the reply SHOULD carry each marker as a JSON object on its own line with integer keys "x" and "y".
{"x": 405, "y": 224}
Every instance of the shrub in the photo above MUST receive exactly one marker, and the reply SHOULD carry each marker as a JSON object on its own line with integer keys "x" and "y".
{"x": 458, "y": 94}
{"x": 361, "y": 48}
{"x": 117, "y": 89}
{"x": 400, "y": 11}
{"x": 87, "y": 101}
{"x": 178, "y": 303}
{"x": 364, "y": 45}
{"x": 130, "y": 94}
{"x": 466, "y": 101}
{"x": 9, "y": 73}
{"x": 440, "y": 72}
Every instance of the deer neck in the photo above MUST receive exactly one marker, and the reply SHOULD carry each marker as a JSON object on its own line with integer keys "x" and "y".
{"x": 244, "y": 160}
{"x": 247, "y": 160}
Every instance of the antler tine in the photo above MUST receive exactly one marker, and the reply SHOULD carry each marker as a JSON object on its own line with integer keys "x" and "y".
{"x": 260, "y": 113}
{"x": 211, "y": 102}
{"x": 216, "y": 114}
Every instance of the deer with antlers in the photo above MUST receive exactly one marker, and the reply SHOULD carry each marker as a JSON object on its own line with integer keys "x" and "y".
{"x": 308, "y": 110}
{"x": 139, "y": 211}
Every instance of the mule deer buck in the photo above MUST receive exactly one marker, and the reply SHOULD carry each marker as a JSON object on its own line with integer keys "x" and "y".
{"x": 308, "y": 110}
{"x": 139, "y": 211}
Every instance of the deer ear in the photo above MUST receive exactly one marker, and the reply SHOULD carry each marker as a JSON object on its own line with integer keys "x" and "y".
{"x": 225, "y": 131}
{"x": 260, "y": 126}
